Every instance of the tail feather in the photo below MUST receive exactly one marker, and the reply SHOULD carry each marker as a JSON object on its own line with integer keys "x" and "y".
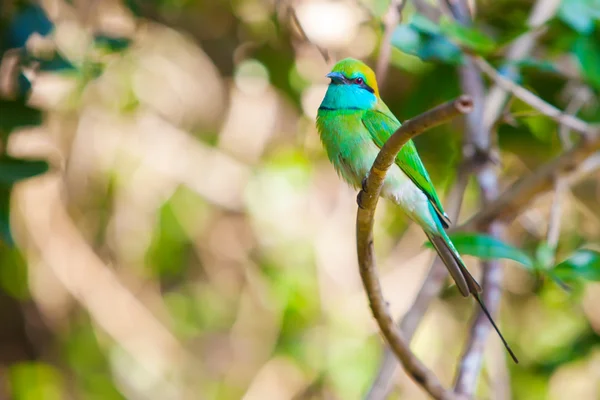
{"x": 489, "y": 317}
{"x": 465, "y": 282}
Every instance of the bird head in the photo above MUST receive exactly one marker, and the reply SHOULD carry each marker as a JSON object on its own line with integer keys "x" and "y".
{"x": 353, "y": 85}
{"x": 350, "y": 71}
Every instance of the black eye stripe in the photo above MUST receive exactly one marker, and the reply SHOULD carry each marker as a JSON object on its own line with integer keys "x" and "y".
{"x": 354, "y": 81}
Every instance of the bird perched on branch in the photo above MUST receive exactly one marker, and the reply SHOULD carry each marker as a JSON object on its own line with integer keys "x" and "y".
{"x": 354, "y": 123}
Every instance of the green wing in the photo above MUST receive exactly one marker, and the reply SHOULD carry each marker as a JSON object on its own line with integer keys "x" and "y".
{"x": 381, "y": 124}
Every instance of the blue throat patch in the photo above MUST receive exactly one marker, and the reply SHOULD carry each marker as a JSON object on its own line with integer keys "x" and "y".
{"x": 348, "y": 97}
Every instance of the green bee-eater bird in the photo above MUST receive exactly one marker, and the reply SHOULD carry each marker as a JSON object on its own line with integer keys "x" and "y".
{"x": 354, "y": 123}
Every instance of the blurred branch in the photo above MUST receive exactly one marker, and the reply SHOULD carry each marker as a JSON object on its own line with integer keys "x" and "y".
{"x": 521, "y": 193}
{"x": 109, "y": 303}
{"x": 555, "y": 213}
{"x": 580, "y": 97}
{"x": 391, "y": 20}
{"x": 478, "y": 146}
{"x": 494, "y": 104}
{"x": 542, "y": 11}
{"x": 432, "y": 285}
{"x": 534, "y": 101}
{"x": 425, "y": 8}
{"x": 491, "y": 282}
{"x": 367, "y": 200}
{"x": 471, "y": 362}
{"x": 294, "y": 18}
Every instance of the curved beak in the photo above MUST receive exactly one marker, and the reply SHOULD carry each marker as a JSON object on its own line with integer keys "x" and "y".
{"x": 336, "y": 77}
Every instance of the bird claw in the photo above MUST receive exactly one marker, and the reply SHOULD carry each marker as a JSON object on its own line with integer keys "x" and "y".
{"x": 359, "y": 199}
{"x": 364, "y": 184}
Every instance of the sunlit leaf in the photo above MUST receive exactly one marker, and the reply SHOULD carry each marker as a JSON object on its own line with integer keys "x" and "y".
{"x": 36, "y": 380}
{"x": 13, "y": 274}
{"x": 541, "y": 127}
{"x": 583, "y": 264}
{"x": 467, "y": 37}
{"x": 487, "y": 247}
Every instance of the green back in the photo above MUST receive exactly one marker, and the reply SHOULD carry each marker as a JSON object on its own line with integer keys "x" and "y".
{"x": 381, "y": 124}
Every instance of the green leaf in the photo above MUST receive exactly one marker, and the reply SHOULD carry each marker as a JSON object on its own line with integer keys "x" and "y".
{"x": 487, "y": 247}
{"x": 559, "y": 282}
{"x": 541, "y": 127}
{"x": 406, "y": 39}
{"x": 467, "y": 37}
{"x": 15, "y": 114}
{"x": 587, "y": 51}
{"x": 580, "y": 14}
{"x": 544, "y": 255}
{"x": 5, "y": 233}
{"x": 583, "y": 264}
{"x": 421, "y": 40}
{"x": 35, "y": 380}
{"x": 14, "y": 276}
{"x": 423, "y": 24}
{"x": 13, "y": 170}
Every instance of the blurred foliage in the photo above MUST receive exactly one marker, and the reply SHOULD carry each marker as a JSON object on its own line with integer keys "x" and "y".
{"x": 191, "y": 239}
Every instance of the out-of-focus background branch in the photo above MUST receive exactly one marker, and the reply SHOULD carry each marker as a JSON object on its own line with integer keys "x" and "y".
{"x": 171, "y": 227}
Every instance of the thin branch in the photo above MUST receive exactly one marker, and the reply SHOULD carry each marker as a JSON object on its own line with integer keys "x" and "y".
{"x": 542, "y": 11}
{"x": 472, "y": 359}
{"x": 524, "y": 191}
{"x": 390, "y": 21}
{"x": 555, "y": 213}
{"x": 294, "y": 16}
{"x": 479, "y": 136}
{"x": 534, "y": 101}
{"x": 425, "y": 8}
{"x": 580, "y": 97}
{"x": 367, "y": 199}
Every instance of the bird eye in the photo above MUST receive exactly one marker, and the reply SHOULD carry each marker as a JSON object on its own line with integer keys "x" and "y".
{"x": 360, "y": 81}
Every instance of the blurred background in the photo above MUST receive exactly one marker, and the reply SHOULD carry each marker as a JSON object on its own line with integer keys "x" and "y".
{"x": 181, "y": 234}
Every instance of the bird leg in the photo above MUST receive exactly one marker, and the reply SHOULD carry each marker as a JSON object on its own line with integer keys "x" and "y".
{"x": 360, "y": 193}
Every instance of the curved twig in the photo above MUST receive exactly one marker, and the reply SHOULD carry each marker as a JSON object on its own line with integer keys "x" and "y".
{"x": 367, "y": 199}
{"x": 432, "y": 285}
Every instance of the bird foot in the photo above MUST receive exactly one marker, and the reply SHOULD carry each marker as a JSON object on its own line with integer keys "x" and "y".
{"x": 359, "y": 199}
{"x": 364, "y": 184}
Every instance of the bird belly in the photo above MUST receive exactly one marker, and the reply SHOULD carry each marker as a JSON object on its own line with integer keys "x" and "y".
{"x": 401, "y": 190}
